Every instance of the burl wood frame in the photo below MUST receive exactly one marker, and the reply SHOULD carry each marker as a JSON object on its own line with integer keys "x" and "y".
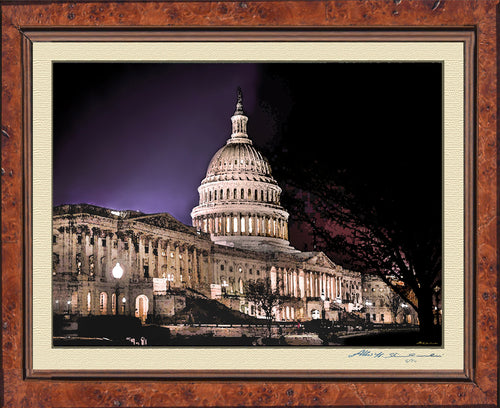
{"x": 472, "y": 22}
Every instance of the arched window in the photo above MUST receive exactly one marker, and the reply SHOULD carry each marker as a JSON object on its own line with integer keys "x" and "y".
{"x": 89, "y": 302}
{"x": 242, "y": 193}
{"x": 113, "y": 303}
{"x": 103, "y": 303}
{"x": 74, "y": 302}
{"x": 141, "y": 307}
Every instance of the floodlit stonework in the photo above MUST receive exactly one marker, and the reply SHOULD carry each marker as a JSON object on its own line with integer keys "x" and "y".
{"x": 108, "y": 262}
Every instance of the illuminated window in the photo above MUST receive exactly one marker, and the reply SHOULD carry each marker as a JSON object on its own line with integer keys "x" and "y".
{"x": 89, "y": 302}
{"x": 103, "y": 303}
{"x": 113, "y": 303}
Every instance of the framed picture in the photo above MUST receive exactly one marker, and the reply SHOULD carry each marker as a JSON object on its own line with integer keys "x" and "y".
{"x": 235, "y": 203}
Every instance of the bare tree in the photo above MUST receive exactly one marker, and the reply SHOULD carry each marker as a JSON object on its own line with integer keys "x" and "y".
{"x": 264, "y": 296}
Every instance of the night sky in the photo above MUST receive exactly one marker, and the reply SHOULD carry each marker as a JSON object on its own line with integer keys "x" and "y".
{"x": 140, "y": 136}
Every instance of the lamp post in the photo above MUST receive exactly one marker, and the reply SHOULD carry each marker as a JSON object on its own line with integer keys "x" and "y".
{"x": 323, "y": 311}
{"x": 224, "y": 285}
{"x": 405, "y": 311}
{"x": 170, "y": 278}
{"x": 117, "y": 273}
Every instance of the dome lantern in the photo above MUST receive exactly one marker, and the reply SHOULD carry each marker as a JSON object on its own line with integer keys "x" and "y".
{"x": 239, "y": 121}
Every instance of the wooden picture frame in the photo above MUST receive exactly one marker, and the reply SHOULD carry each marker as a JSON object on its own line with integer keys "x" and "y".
{"x": 468, "y": 22}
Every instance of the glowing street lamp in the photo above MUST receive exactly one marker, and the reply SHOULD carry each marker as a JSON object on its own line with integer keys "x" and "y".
{"x": 123, "y": 305}
{"x": 117, "y": 271}
{"x": 170, "y": 278}
{"x": 323, "y": 311}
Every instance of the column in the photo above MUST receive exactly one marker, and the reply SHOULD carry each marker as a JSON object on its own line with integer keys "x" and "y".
{"x": 185, "y": 258}
{"x": 159, "y": 258}
{"x": 247, "y": 224}
{"x": 224, "y": 230}
{"x": 195, "y": 266}
{"x": 295, "y": 283}
{"x": 177, "y": 265}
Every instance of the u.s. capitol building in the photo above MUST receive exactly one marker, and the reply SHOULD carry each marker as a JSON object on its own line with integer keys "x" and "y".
{"x": 107, "y": 261}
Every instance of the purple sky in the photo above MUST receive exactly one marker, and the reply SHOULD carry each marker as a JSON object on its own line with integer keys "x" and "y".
{"x": 141, "y": 137}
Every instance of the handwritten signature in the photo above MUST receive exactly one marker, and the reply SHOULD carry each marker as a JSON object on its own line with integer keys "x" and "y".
{"x": 409, "y": 358}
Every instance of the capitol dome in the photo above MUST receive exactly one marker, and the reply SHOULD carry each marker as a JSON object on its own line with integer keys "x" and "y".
{"x": 239, "y": 201}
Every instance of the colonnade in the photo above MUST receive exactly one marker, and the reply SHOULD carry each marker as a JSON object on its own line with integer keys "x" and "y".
{"x": 243, "y": 224}
{"x": 301, "y": 284}
{"x": 264, "y": 195}
{"x": 94, "y": 254}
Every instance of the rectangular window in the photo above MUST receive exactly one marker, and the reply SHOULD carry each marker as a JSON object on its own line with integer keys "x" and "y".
{"x": 103, "y": 243}
{"x": 79, "y": 239}
{"x": 54, "y": 239}
{"x": 146, "y": 271}
{"x": 146, "y": 249}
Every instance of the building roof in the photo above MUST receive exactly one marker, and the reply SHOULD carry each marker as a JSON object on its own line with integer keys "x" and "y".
{"x": 160, "y": 220}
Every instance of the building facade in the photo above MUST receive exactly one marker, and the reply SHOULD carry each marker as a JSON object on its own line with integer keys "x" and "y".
{"x": 108, "y": 262}
{"x": 382, "y": 305}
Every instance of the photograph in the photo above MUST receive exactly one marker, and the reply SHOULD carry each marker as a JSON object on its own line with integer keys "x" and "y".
{"x": 276, "y": 204}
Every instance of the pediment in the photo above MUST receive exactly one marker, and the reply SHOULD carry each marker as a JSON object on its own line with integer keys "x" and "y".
{"x": 320, "y": 259}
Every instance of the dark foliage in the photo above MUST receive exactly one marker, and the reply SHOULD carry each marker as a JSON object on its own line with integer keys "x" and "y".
{"x": 360, "y": 163}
